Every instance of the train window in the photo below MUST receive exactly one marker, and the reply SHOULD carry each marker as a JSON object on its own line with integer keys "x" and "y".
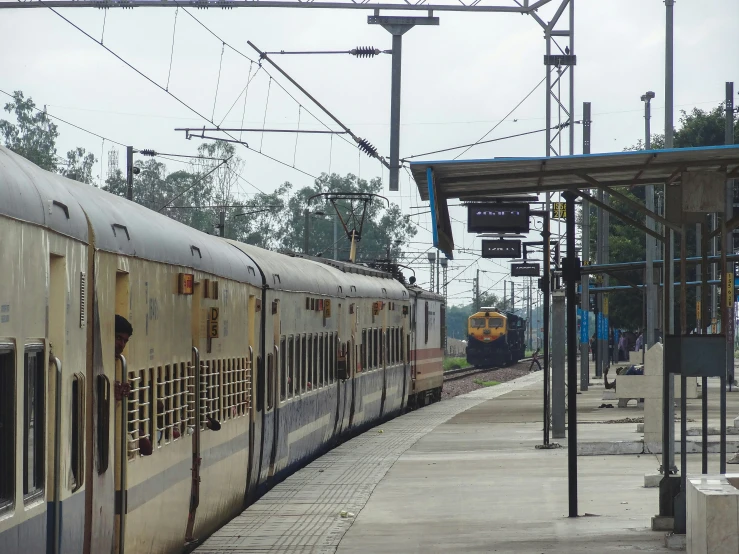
{"x": 270, "y": 381}
{"x": 211, "y": 390}
{"x": 103, "y": 426}
{"x": 426, "y": 323}
{"x": 291, "y": 366}
{"x": 303, "y": 364}
{"x": 78, "y": 430}
{"x": 398, "y": 345}
{"x": 326, "y": 359}
{"x": 34, "y": 412}
{"x": 320, "y": 365}
{"x": 316, "y": 369}
{"x": 7, "y": 427}
{"x": 139, "y": 410}
{"x": 375, "y": 348}
{"x": 495, "y": 322}
{"x": 363, "y": 349}
{"x": 332, "y": 357}
{"x": 383, "y": 345}
{"x": 283, "y": 369}
{"x": 477, "y": 322}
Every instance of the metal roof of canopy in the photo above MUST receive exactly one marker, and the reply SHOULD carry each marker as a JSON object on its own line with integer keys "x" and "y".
{"x": 439, "y": 181}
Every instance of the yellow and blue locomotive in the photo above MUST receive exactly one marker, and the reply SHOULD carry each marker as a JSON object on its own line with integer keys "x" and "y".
{"x": 495, "y": 338}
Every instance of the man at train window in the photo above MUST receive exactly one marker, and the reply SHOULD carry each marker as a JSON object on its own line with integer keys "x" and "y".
{"x": 123, "y": 332}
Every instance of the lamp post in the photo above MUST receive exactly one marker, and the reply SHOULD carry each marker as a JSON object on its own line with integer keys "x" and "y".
{"x": 432, "y": 260}
{"x": 651, "y": 298}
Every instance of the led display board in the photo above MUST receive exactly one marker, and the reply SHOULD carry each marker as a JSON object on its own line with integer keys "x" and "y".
{"x": 498, "y": 218}
{"x": 501, "y": 249}
{"x": 525, "y": 270}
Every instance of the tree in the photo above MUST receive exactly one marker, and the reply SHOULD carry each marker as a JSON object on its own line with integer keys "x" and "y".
{"x": 627, "y": 243}
{"x": 385, "y": 228}
{"x": 33, "y": 136}
{"x": 78, "y": 166}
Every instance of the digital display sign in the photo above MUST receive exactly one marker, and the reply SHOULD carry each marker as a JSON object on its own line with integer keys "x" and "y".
{"x": 524, "y": 270}
{"x": 501, "y": 249}
{"x": 498, "y": 218}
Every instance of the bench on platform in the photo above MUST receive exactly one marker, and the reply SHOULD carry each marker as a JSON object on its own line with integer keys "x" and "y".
{"x": 712, "y": 508}
{"x": 638, "y": 387}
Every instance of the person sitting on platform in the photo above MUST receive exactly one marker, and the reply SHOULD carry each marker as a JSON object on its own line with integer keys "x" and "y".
{"x": 631, "y": 370}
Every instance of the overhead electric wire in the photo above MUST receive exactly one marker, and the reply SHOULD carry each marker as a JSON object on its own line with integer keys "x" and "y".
{"x": 198, "y": 180}
{"x": 240, "y": 53}
{"x": 506, "y": 117}
{"x": 163, "y": 89}
{"x": 476, "y": 143}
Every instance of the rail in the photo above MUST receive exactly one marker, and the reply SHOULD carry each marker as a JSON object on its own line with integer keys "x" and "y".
{"x": 462, "y": 372}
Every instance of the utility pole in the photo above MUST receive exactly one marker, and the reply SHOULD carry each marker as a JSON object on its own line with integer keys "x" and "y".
{"x": 129, "y": 172}
{"x": 306, "y": 231}
{"x": 729, "y": 243}
{"x": 477, "y": 292}
{"x": 222, "y": 223}
{"x": 513, "y": 297}
{"x": 336, "y": 240}
{"x": 651, "y": 245}
{"x": 397, "y": 26}
{"x": 438, "y": 264}
{"x": 432, "y": 261}
{"x": 585, "y": 297}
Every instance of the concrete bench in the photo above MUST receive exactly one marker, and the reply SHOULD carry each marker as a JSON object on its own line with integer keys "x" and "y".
{"x": 635, "y": 387}
{"x": 713, "y": 514}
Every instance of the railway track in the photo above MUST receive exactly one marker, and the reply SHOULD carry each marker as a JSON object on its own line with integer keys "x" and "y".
{"x": 462, "y": 372}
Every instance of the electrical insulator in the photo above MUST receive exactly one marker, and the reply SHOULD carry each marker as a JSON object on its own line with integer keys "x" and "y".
{"x": 147, "y": 152}
{"x": 365, "y": 52}
{"x": 367, "y": 148}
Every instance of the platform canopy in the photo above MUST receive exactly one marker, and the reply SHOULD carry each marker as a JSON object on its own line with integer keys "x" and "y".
{"x": 479, "y": 180}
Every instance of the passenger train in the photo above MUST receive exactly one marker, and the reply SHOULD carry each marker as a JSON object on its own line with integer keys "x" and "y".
{"x": 495, "y": 338}
{"x": 243, "y": 365}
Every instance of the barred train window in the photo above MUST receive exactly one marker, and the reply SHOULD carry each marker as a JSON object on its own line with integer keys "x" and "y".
{"x": 316, "y": 369}
{"x": 375, "y": 348}
{"x": 325, "y": 359}
{"x": 319, "y": 365}
{"x": 303, "y": 364}
{"x": 7, "y": 427}
{"x": 34, "y": 415}
{"x": 103, "y": 428}
{"x": 78, "y": 431}
{"x": 139, "y": 410}
{"x": 291, "y": 366}
{"x": 283, "y": 369}
{"x": 270, "y": 381}
{"x": 363, "y": 350}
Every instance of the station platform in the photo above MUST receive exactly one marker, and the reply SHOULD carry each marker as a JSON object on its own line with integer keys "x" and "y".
{"x": 464, "y": 475}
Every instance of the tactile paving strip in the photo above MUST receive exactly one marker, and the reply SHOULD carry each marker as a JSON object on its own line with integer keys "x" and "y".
{"x": 303, "y": 513}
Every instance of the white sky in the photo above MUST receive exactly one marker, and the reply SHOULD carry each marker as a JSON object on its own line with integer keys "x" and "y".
{"x": 459, "y": 79}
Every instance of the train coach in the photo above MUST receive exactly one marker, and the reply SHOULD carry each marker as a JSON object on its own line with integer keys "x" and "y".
{"x": 243, "y": 365}
{"x": 495, "y": 338}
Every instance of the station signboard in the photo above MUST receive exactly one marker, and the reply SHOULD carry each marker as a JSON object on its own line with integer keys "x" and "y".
{"x": 498, "y": 218}
{"x": 501, "y": 249}
{"x": 525, "y": 270}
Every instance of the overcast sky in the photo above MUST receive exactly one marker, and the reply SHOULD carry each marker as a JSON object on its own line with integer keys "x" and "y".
{"x": 459, "y": 80}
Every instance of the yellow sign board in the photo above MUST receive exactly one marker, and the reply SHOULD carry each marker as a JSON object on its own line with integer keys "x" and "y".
{"x": 698, "y": 309}
{"x": 729, "y": 290}
{"x": 213, "y": 314}
{"x": 212, "y": 329}
{"x": 605, "y": 304}
{"x": 327, "y": 308}
{"x": 559, "y": 210}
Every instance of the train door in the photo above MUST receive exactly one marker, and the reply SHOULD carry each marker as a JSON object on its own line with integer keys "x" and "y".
{"x": 55, "y": 380}
{"x": 122, "y": 303}
{"x": 273, "y": 362}
{"x": 195, "y": 371}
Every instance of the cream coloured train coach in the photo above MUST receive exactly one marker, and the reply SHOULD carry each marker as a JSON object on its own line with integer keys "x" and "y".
{"x": 243, "y": 365}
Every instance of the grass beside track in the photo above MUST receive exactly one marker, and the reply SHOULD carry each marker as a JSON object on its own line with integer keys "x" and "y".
{"x": 454, "y": 363}
{"x": 486, "y": 383}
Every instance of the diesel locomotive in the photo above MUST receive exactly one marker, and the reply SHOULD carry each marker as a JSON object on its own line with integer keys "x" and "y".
{"x": 494, "y": 338}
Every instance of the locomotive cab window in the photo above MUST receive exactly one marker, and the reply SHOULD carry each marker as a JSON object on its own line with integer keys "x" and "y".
{"x": 7, "y": 427}
{"x": 34, "y": 418}
{"x": 477, "y": 323}
{"x": 495, "y": 322}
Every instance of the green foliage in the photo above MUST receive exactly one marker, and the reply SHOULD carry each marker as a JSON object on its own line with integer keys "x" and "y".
{"x": 33, "y": 136}
{"x": 454, "y": 363}
{"x": 627, "y": 243}
{"x": 78, "y": 166}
